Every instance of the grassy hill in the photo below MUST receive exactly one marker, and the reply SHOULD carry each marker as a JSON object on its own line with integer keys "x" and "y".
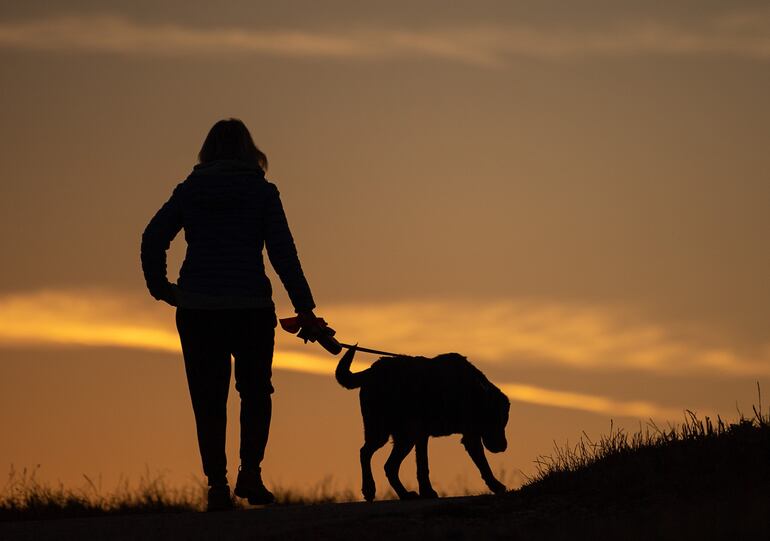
{"x": 698, "y": 480}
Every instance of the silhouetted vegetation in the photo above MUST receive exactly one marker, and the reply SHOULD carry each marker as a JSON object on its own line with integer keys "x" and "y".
{"x": 324, "y": 491}
{"x": 702, "y": 479}
{"x": 25, "y": 498}
{"x": 690, "y": 458}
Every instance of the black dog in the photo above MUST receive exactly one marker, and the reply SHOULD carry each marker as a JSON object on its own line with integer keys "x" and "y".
{"x": 413, "y": 398}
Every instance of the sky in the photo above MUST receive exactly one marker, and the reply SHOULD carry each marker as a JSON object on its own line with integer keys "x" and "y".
{"x": 574, "y": 195}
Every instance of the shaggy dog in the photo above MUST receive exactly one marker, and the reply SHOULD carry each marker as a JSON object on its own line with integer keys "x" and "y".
{"x": 413, "y": 398}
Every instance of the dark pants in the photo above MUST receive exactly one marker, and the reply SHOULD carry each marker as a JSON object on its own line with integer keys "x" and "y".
{"x": 208, "y": 339}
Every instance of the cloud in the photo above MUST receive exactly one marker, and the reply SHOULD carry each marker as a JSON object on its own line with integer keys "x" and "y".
{"x": 502, "y": 333}
{"x": 738, "y": 33}
{"x": 575, "y": 335}
{"x": 588, "y": 402}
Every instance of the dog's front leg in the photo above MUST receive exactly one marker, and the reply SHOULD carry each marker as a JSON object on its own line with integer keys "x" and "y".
{"x": 423, "y": 474}
{"x": 401, "y": 448}
{"x": 475, "y": 449}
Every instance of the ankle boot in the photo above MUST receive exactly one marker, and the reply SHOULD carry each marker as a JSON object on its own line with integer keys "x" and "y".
{"x": 251, "y": 487}
{"x": 219, "y": 498}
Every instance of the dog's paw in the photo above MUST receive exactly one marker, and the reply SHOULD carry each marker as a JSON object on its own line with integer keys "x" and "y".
{"x": 410, "y": 495}
{"x": 368, "y": 492}
{"x": 428, "y": 494}
{"x": 498, "y": 488}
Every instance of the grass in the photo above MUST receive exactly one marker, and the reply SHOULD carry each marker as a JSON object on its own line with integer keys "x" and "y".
{"x": 25, "y": 498}
{"x": 699, "y": 458}
{"x": 322, "y": 492}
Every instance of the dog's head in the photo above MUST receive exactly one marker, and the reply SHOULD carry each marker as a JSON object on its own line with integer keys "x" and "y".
{"x": 494, "y": 418}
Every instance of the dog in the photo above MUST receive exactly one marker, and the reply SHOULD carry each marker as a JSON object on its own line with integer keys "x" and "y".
{"x": 414, "y": 398}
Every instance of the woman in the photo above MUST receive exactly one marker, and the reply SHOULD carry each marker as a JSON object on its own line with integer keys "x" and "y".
{"x": 223, "y": 297}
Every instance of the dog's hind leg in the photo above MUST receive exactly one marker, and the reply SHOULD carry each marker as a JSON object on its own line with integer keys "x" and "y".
{"x": 401, "y": 448}
{"x": 423, "y": 474}
{"x": 367, "y": 479}
{"x": 475, "y": 449}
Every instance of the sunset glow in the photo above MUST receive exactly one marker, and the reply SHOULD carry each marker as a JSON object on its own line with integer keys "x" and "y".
{"x": 580, "y": 337}
{"x": 555, "y": 335}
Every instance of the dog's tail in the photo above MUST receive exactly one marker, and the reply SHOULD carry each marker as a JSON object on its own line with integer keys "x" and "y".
{"x": 344, "y": 376}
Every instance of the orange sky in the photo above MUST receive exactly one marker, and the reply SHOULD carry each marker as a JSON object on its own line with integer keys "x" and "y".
{"x": 574, "y": 195}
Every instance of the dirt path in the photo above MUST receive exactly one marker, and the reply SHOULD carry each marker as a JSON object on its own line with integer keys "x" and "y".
{"x": 360, "y": 520}
{"x": 512, "y": 517}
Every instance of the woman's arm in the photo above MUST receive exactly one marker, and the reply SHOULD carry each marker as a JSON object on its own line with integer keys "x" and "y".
{"x": 156, "y": 240}
{"x": 283, "y": 254}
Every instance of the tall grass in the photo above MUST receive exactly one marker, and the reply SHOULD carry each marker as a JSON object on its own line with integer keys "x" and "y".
{"x": 324, "y": 491}
{"x": 696, "y": 455}
{"x": 24, "y": 497}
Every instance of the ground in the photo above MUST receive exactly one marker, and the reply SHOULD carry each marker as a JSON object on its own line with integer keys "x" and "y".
{"x": 513, "y": 516}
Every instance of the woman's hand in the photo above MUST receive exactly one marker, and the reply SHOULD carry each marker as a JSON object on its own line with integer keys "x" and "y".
{"x": 309, "y": 329}
{"x": 166, "y": 294}
{"x": 315, "y": 330}
{"x": 306, "y": 318}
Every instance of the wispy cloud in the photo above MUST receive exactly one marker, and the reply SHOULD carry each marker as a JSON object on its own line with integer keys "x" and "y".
{"x": 575, "y": 335}
{"x": 100, "y": 318}
{"x": 593, "y": 403}
{"x": 581, "y": 337}
{"x": 506, "y": 332}
{"x": 733, "y": 33}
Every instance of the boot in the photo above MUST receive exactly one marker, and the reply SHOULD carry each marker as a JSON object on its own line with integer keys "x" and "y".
{"x": 219, "y": 498}
{"x": 250, "y": 486}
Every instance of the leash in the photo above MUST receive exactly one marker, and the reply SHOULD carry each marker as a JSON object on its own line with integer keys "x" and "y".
{"x": 326, "y": 338}
{"x": 368, "y": 350}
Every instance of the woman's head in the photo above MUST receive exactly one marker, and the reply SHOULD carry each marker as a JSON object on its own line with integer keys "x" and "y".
{"x": 230, "y": 140}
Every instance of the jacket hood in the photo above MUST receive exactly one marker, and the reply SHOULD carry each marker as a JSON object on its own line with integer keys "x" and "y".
{"x": 226, "y": 167}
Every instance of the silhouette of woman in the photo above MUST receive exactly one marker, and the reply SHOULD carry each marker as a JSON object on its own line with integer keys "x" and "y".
{"x": 224, "y": 299}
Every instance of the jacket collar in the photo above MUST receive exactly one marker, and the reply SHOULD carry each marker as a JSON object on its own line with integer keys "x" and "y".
{"x": 227, "y": 167}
